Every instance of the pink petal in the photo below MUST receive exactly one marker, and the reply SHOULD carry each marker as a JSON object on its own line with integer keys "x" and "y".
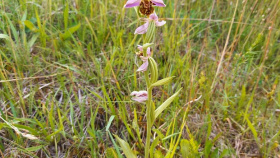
{"x": 132, "y": 3}
{"x": 140, "y": 99}
{"x": 149, "y": 51}
{"x": 159, "y": 3}
{"x": 140, "y": 96}
{"x": 134, "y": 93}
{"x": 142, "y": 29}
{"x": 154, "y": 17}
{"x": 160, "y": 23}
{"x": 143, "y": 67}
{"x": 140, "y": 47}
{"x": 140, "y": 93}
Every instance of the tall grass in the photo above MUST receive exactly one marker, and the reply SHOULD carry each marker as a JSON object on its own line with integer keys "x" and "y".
{"x": 67, "y": 67}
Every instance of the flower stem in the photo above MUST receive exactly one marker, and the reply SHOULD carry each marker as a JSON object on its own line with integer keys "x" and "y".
{"x": 150, "y": 33}
{"x": 149, "y": 123}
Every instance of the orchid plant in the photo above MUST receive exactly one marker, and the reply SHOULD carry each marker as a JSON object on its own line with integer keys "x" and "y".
{"x": 148, "y": 69}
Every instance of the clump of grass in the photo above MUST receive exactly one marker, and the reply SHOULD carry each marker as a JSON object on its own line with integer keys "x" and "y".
{"x": 67, "y": 66}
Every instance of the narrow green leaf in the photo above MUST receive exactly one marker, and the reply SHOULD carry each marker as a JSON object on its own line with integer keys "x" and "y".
{"x": 70, "y": 31}
{"x": 163, "y": 81}
{"x": 65, "y": 16}
{"x": 126, "y": 148}
{"x": 167, "y": 137}
{"x": 14, "y": 30}
{"x": 159, "y": 133}
{"x": 166, "y": 103}
{"x": 51, "y": 118}
{"x": 35, "y": 148}
{"x": 115, "y": 145}
{"x": 153, "y": 146}
{"x": 30, "y": 25}
{"x": 33, "y": 40}
{"x": 110, "y": 122}
{"x": 252, "y": 128}
{"x": 50, "y": 137}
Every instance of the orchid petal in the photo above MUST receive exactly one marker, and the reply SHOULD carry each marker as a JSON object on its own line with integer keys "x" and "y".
{"x": 143, "y": 67}
{"x": 159, "y": 3}
{"x": 142, "y": 29}
{"x": 134, "y": 93}
{"x": 132, "y": 3}
{"x": 140, "y": 48}
{"x": 149, "y": 51}
{"x": 140, "y": 99}
{"x": 160, "y": 23}
{"x": 140, "y": 96}
{"x": 154, "y": 17}
{"x": 139, "y": 93}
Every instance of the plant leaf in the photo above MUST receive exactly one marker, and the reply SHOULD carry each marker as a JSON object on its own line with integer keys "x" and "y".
{"x": 153, "y": 146}
{"x": 126, "y": 148}
{"x": 163, "y": 81}
{"x": 34, "y": 148}
{"x": 166, "y": 103}
{"x": 70, "y": 31}
{"x": 30, "y": 25}
{"x": 109, "y": 123}
{"x": 253, "y": 130}
{"x": 111, "y": 153}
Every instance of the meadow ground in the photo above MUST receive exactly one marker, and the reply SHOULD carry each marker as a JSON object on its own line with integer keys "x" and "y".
{"x": 67, "y": 68}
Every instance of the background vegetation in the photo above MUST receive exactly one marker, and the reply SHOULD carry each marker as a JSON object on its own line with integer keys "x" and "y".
{"x": 67, "y": 67}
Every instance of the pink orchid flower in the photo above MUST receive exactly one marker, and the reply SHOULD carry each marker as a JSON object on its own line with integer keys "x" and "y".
{"x": 140, "y": 96}
{"x": 145, "y": 65}
{"x": 134, "y": 3}
{"x": 144, "y": 28}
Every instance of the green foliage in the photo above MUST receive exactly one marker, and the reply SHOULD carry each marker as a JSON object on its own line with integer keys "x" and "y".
{"x": 126, "y": 148}
{"x": 164, "y": 105}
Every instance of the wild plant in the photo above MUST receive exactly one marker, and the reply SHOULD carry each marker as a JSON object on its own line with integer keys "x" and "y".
{"x": 149, "y": 69}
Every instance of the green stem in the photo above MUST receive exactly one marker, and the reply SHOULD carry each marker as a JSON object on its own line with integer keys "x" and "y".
{"x": 149, "y": 123}
{"x": 149, "y": 101}
{"x": 148, "y": 110}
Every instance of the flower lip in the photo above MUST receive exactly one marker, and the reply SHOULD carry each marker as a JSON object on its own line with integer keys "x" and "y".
{"x": 139, "y": 96}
